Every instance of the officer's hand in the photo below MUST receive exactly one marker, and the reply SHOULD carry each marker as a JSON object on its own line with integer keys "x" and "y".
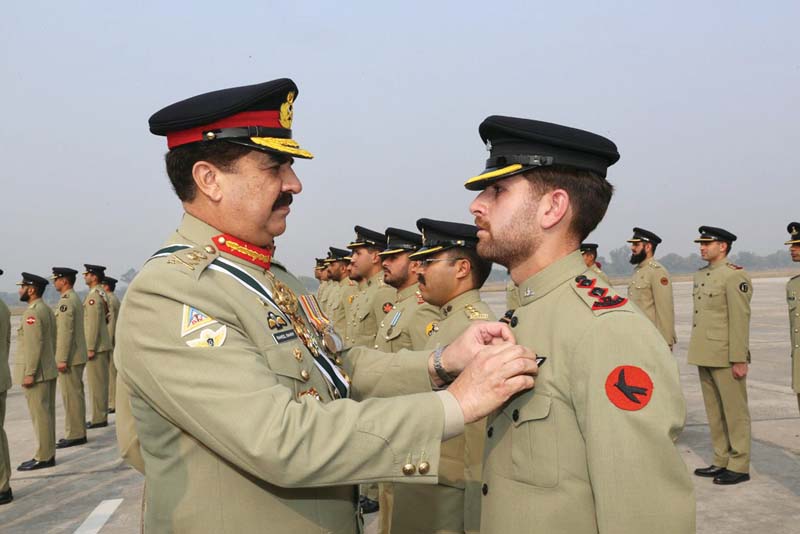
{"x": 62, "y": 367}
{"x": 739, "y": 370}
{"x": 90, "y": 354}
{"x": 496, "y": 373}
{"x": 27, "y": 381}
{"x": 461, "y": 351}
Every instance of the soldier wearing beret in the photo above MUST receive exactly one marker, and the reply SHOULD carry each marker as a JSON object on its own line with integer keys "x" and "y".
{"x": 6, "y": 495}
{"x": 450, "y": 278}
{"x": 35, "y": 367}
{"x": 98, "y": 343}
{"x": 342, "y": 288}
{"x": 70, "y": 357}
{"x": 720, "y": 348}
{"x": 650, "y": 287}
{"x": 792, "y": 294}
{"x": 591, "y": 449}
{"x": 109, "y": 286}
{"x": 244, "y": 417}
{"x": 589, "y": 252}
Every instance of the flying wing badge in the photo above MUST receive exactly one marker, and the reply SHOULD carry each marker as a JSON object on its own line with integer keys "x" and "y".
{"x": 629, "y": 387}
{"x": 209, "y": 338}
{"x": 193, "y": 320}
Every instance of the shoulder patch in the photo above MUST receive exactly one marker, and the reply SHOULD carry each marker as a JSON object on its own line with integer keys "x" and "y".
{"x": 735, "y": 267}
{"x": 91, "y": 302}
{"x": 600, "y": 299}
{"x": 193, "y": 319}
{"x": 664, "y": 281}
{"x": 30, "y": 320}
{"x": 63, "y": 308}
{"x": 744, "y": 287}
{"x": 629, "y": 387}
{"x": 209, "y": 338}
{"x": 387, "y": 307}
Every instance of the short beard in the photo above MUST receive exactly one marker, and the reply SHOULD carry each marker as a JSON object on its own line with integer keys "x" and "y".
{"x": 25, "y": 297}
{"x": 397, "y": 280}
{"x": 636, "y": 259}
{"x": 514, "y": 245}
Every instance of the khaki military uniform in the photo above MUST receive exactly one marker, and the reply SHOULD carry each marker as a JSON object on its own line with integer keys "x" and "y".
{"x": 337, "y": 306}
{"x": 650, "y": 289}
{"x": 36, "y": 343}
{"x": 322, "y": 294}
{"x": 600, "y": 274}
{"x": 404, "y": 326}
{"x": 332, "y": 295}
{"x": 71, "y": 349}
{"x": 575, "y": 454}
{"x": 113, "y": 314}
{"x": 350, "y": 293}
{"x": 95, "y": 325}
{"x": 792, "y": 295}
{"x": 5, "y": 385}
{"x": 238, "y": 422}
{"x": 369, "y": 309}
{"x": 512, "y": 296}
{"x": 720, "y": 338}
{"x": 454, "y": 505}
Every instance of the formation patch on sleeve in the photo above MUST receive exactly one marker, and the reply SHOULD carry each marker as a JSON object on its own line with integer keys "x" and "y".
{"x": 743, "y": 287}
{"x": 91, "y": 302}
{"x": 664, "y": 281}
{"x": 31, "y": 320}
{"x": 387, "y": 307}
{"x": 193, "y": 320}
{"x": 62, "y": 308}
{"x": 209, "y": 338}
{"x": 629, "y": 387}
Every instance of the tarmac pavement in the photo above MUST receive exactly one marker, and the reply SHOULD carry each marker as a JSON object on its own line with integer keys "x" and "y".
{"x": 83, "y": 488}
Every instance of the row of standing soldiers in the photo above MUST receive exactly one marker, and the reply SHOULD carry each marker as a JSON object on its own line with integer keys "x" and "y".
{"x": 56, "y": 346}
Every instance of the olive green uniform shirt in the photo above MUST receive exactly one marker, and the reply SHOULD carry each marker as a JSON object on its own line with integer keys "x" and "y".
{"x": 369, "y": 309}
{"x": 5, "y": 347}
{"x": 404, "y": 326}
{"x": 70, "y": 339}
{"x": 337, "y": 306}
{"x": 721, "y": 319}
{"x": 36, "y": 344}
{"x": 574, "y": 454}
{"x": 792, "y": 295}
{"x": 238, "y": 427}
{"x": 113, "y": 315}
{"x": 95, "y": 320}
{"x": 650, "y": 289}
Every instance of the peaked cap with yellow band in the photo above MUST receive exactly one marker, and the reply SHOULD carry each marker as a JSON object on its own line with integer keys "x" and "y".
{"x": 442, "y": 235}
{"x": 368, "y": 238}
{"x": 519, "y": 145}
{"x": 712, "y": 233}
{"x": 257, "y": 116}
{"x": 794, "y": 233}
{"x": 640, "y": 234}
{"x": 337, "y": 254}
{"x": 398, "y": 241}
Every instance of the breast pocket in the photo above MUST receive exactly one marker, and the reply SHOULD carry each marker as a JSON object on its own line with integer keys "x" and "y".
{"x": 282, "y": 359}
{"x": 534, "y": 441}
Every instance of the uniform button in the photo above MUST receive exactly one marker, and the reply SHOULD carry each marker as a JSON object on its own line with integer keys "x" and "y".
{"x": 209, "y": 249}
{"x": 424, "y": 467}
{"x": 695, "y": 311}
{"x": 514, "y": 321}
{"x": 375, "y": 346}
{"x": 515, "y": 415}
{"x": 304, "y": 375}
{"x": 694, "y": 326}
{"x": 797, "y": 346}
{"x": 485, "y": 489}
{"x": 490, "y": 431}
{"x": 409, "y": 469}
{"x": 702, "y": 284}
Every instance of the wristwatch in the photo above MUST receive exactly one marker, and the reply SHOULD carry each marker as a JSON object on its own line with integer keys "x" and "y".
{"x": 437, "y": 365}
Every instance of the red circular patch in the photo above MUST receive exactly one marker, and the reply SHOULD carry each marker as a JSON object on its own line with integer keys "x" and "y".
{"x": 31, "y": 320}
{"x": 629, "y": 387}
{"x": 91, "y": 302}
{"x": 387, "y": 307}
{"x": 665, "y": 281}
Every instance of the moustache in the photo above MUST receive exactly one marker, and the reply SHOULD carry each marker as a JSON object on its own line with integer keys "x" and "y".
{"x": 482, "y": 224}
{"x": 284, "y": 199}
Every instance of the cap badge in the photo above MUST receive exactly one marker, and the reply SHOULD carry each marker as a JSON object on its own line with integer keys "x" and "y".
{"x": 488, "y": 146}
{"x": 287, "y": 111}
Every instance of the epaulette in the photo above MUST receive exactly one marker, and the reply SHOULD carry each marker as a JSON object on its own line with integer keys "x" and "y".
{"x": 192, "y": 260}
{"x": 474, "y": 315}
{"x": 421, "y": 300}
{"x": 654, "y": 265}
{"x": 795, "y": 276}
{"x": 599, "y": 298}
{"x": 735, "y": 267}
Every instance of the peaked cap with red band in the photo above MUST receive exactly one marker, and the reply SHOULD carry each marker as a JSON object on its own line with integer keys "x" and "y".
{"x": 257, "y": 116}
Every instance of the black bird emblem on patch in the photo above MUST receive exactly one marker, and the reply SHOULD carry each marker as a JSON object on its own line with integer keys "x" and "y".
{"x": 629, "y": 391}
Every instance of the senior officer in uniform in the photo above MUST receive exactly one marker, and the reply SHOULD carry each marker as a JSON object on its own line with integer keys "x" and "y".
{"x": 98, "y": 343}
{"x": 650, "y": 287}
{"x": 243, "y": 422}
{"x": 35, "y": 366}
{"x": 6, "y": 495}
{"x": 403, "y": 327}
{"x": 792, "y": 294}
{"x": 450, "y": 278}
{"x": 70, "y": 357}
{"x": 337, "y": 271}
{"x": 592, "y": 447}
{"x": 109, "y": 286}
{"x": 720, "y": 348}
{"x": 589, "y": 253}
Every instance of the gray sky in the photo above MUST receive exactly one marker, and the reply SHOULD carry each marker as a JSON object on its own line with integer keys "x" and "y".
{"x": 700, "y": 97}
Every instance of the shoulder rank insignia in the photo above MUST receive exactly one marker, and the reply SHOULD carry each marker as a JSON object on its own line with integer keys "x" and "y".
{"x": 599, "y": 298}
{"x": 475, "y": 315}
{"x": 209, "y": 338}
{"x": 735, "y": 267}
{"x": 350, "y": 299}
{"x": 193, "y": 319}
{"x": 432, "y": 328}
{"x": 420, "y": 300}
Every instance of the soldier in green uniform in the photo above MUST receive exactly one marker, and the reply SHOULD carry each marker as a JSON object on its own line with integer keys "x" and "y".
{"x": 35, "y": 367}
{"x": 350, "y": 292}
{"x": 403, "y": 327}
{"x": 98, "y": 343}
{"x": 650, "y": 287}
{"x": 589, "y": 253}
{"x": 792, "y": 294}
{"x": 321, "y": 274}
{"x": 244, "y": 420}
{"x": 70, "y": 357}
{"x": 109, "y": 286}
{"x": 6, "y": 495}
{"x": 720, "y": 348}
{"x": 591, "y": 449}
{"x": 336, "y": 262}
{"x": 450, "y": 278}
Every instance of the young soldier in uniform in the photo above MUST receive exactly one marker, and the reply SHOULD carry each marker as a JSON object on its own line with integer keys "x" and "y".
{"x": 35, "y": 365}
{"x": 321, "y": 274}
{"x": 6, "y": 495}
{"x": 70, "y": 357}
{"x": 591, "y": 448}
{"x": 720, "y": 348}
{"x": 650, "y": 287}
{"x": 109, "y": 286}
{"x": 403, "y": 327}
{"x": 792, "y": 294}
{"x": 589, "y": 252}
{"x": 245, "y": 422}
{"x": 450, "y": 278}
{"x": 98, "y": 343}
{"x": 337, "y": 272}
{"x": 349, "y": 295}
